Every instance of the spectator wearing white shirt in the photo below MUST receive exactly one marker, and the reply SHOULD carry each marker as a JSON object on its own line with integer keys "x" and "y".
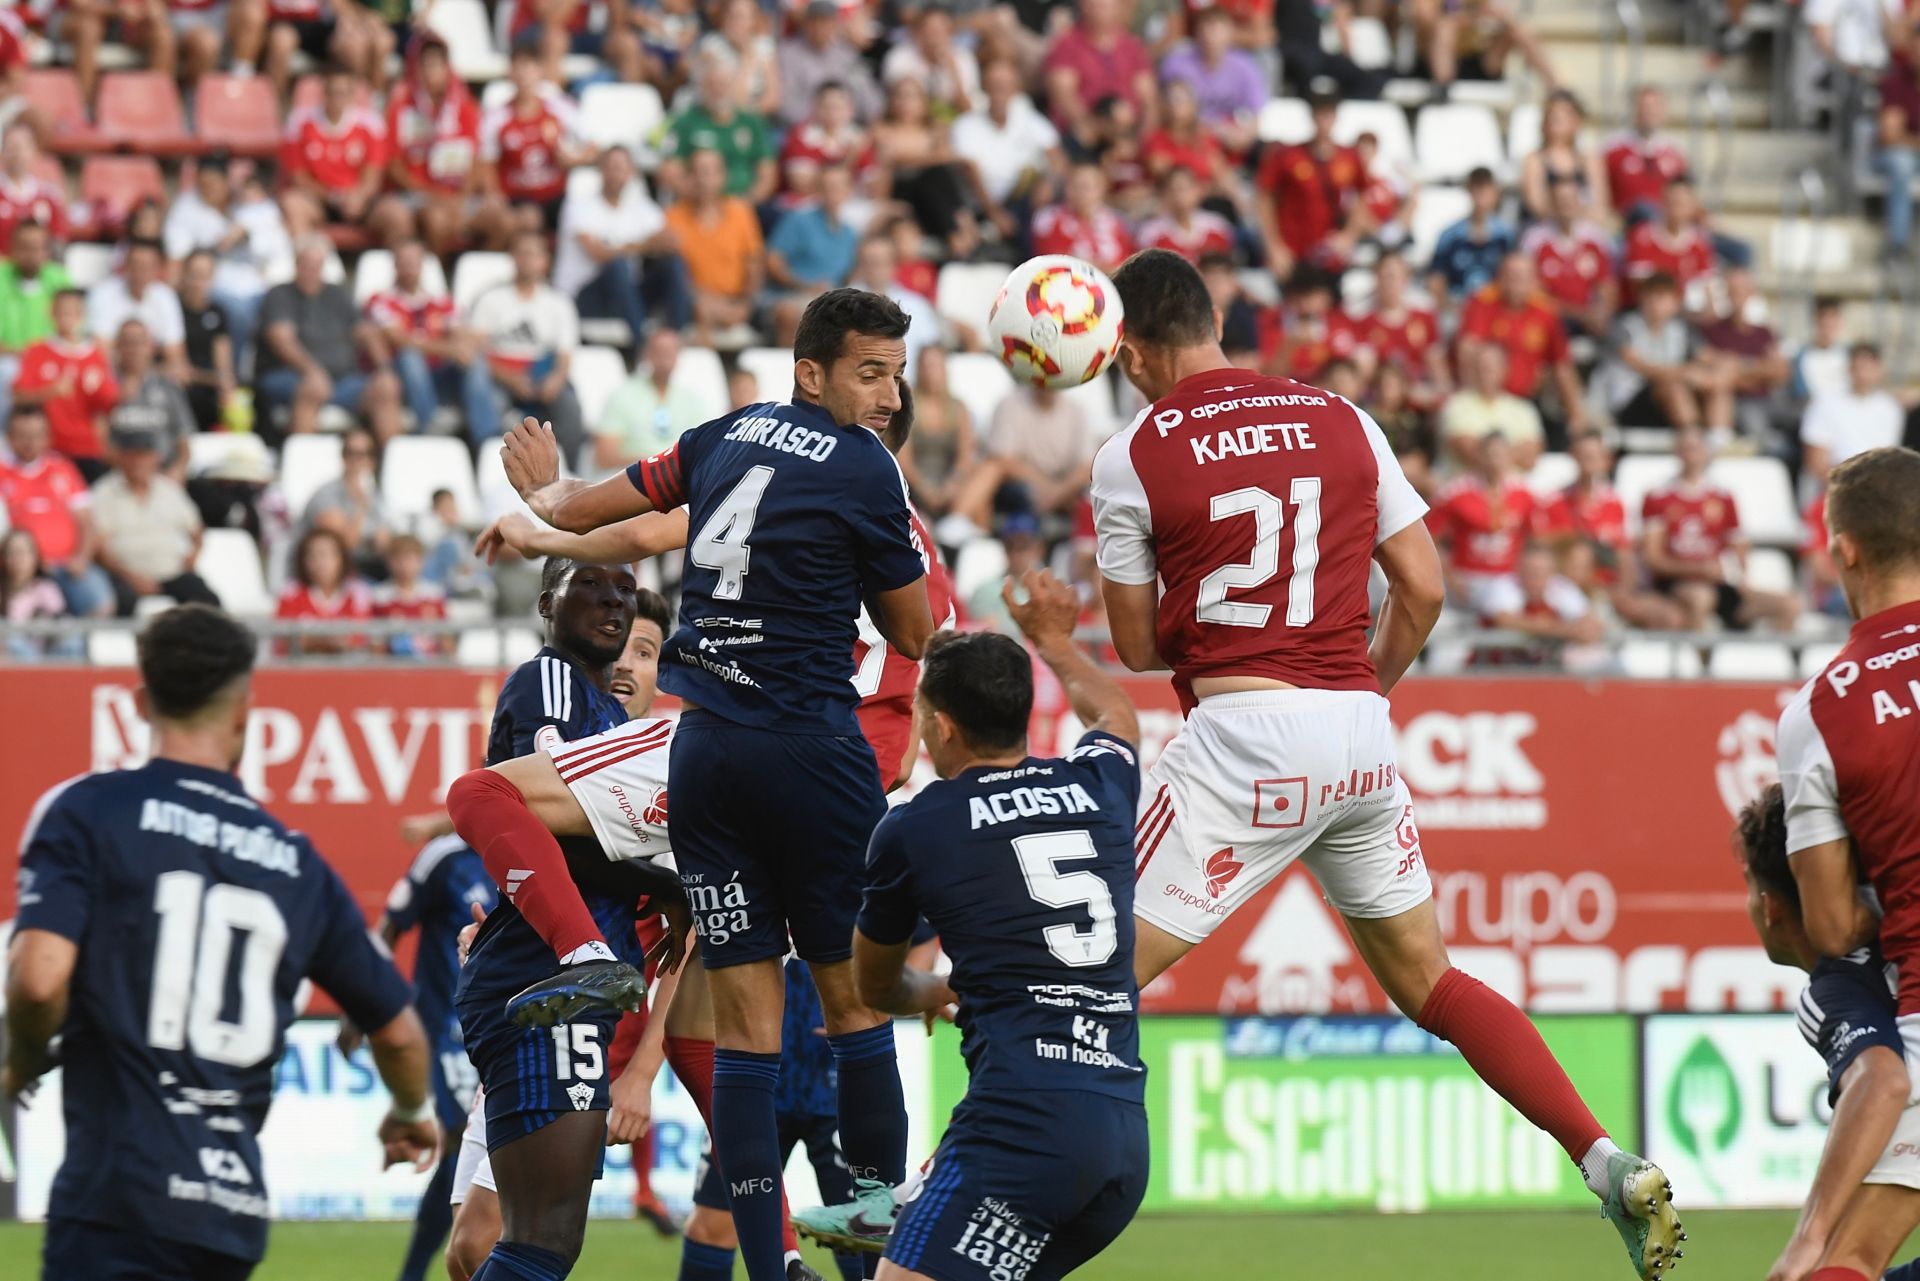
{"x": 526, "y": 332}
{"x": 1852, "y": 34}
{"x": 1821, "y": 365}
{"x": 1010, "y": 144}
{"x": 138, "y": 293}
{"x": 1539, "y": 602}
{"x": 1839, "y": 425}
{"x": 243, "y": 237}
{"x": 950, "y": 73}
{"x": 616, "y": 255}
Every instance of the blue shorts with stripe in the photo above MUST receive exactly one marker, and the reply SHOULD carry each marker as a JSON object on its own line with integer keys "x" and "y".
{"x": 1029, "y": 1187}
{"x": 535, "y": 1076}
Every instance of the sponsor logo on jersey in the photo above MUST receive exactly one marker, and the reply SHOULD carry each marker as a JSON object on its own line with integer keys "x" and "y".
{"x": 516, "y": 877}
{"x": 1222, "y": 867}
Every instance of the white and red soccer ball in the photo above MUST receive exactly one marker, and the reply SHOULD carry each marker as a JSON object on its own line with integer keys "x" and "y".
{"x": 1057, "y": 322}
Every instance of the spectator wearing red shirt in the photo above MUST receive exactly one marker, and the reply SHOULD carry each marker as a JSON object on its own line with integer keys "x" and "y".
{"x": 1397, "y": 333}
{"x": 1184, "y": 227}
{"x": 323, "y": 589}
{"x": 433, "y": 164}
{"x": 528, "y": 144}
{"x": 1184, "y": 142}
{"x": 1084, "y": 225}
{"x": 421, "y": 337}
{"x": 1816, "y": 562}
{"x": 831, "y": 135}
{"x": 1641, "y": 161}
{"x": 24, "y": 195}
{"x": 334, "y": 161}
{"x": 1483, "y": 520}
{"x": 44, "y": 494}
{"x": 1513, "y": 313}
{"x": 406, "y": 595}
{"x": 1574, "y": 260}
{"x": 70, "y": 378}
{"x": 267, "y": 34}
{"x": 1386, "y": 196}
{"x": 1309, "y": 198}
{"x": 1589, "y": 517}
{"x": 13, "y": 58}
{"x": 1312, "y": 331}
{"x": 1687, "y": 527}
{"x": 1673, "y": 244}
{"x": 1094, "y": 59}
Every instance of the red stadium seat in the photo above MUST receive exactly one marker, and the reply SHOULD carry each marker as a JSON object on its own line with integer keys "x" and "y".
{"x": 54, "y": 92}
{"x": 237, "y": 113}
{"x": 141, "y": 111}
{"x": 115, "y": 185}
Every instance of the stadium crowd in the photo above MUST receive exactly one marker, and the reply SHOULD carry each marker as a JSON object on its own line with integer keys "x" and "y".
{"x": 1584, "y": 289}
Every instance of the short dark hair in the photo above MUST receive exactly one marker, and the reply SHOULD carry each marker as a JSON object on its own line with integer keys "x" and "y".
{"x": 1760, "y": 839}
{"x": 1865, "y": 347}
{"x": 829, "y": 318}
{"x": 1660, "y": 282}
{"x": 826, "y": 87}
{"x": 80, "y": 294}
{"x": 1827, "y": 302}
{"x": 1165, "y": 300}
{"x": 984, "y": 682}
{"x": 438, "y": 494}
{"x": 652, "y": 607}
{"x": 1874, "y": 499}
{"x": 189, "y": 655}
{"x": 1481, "y": 176}
{"x": 30, "y": 224}
{"x": 17, "y": 411}
{"x": 146, "y": 242}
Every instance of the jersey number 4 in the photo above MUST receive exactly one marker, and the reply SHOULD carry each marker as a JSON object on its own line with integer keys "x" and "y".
{"x": 193, "y": 964}
{"x": 1040, "y": 858}
{"x": 1211, "y": 605}
{"x": 722, "y": 544}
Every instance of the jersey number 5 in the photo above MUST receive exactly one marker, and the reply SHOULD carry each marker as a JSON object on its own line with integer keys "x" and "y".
{"x": 1211, "y": 604}
{"x": 190, "y": 982}
{"x": 1040, "y": 858}
{"x": 722, "y": 545}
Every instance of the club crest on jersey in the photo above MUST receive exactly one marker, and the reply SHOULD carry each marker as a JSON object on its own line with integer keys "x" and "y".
{"x": 580, "y": 1094}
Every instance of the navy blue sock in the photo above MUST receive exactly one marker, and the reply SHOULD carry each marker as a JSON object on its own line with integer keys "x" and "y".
{"x": 512, "y": 1261}
{"x": 746, "y": 1142}
{"x": 1909, "y": 1271}
{"x": 704, "y": 1262}
{"x": 433, "y": 1219}
{"x": 873, "y": 1110}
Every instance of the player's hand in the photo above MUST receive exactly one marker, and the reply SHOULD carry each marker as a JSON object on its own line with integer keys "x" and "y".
{"x": 464, "y": 943}
{"x": 1050, "y": 611}
{"x": 349, "y": 1039}
{"x": 532, "y": 456}
{"x": 415, "y": 1141}
{"x": 17, "y": 1087}
{"x": 511, "y": 532}
{"x": 670, "y": 953}
{"x": 938, "y": 1015}
{"x": 632, "y": 1112}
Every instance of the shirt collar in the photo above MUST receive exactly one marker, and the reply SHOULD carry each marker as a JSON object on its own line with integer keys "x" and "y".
{"x": 1899, "y": 620}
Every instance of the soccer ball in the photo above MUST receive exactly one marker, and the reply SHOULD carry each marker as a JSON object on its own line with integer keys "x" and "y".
{"x": 1056, "y": 323}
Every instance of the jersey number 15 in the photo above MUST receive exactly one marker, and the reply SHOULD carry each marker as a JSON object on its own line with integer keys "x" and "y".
{"x": 1211, "y": 604}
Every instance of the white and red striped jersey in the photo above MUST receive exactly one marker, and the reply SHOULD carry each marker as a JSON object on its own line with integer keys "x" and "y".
{"x": 1849, "y": 751}
{"x": 884, "y": 678}
{"x": 1257, "y": 503}
{"x": 334, "y": 153}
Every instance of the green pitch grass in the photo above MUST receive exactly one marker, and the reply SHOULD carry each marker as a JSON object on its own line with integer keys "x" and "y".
{"x": 1724, "y": 1246}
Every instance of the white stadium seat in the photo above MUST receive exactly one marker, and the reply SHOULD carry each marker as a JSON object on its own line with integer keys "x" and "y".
{"x": 1096, "y": 402}
{"x": 1386, "y": 122}
{"x": 88, "y": 264}
{"x": 476, "y": 272}
{"x": 1285, "y": 120}
{"x": 699, "y": 373}
{"x": 597, "y": 374}
{"x": 1523, "y": 130}
{"x": 307, "y": 462}
{"x": 981, "y": 382}
{"x": 1646, "y": 659}
{"x": 620, "y": 115}
{"x": 1553, "y": 473}
{"x": 1452, "y": 138}
{"x": 1770, "y": 570}
{"x": 112, "y": 649}
{"x": 492, "y": 647}
{"x": 212, "y": 451}
{"x": 583, "y": 182}
{"x": 772, "y": 370}
{"x": 230, "y": 564}
{"x": 1815, "y": 657}
{"x": 1437, "y": 209}
{"x": 463, "y": 25}
{"x": 414, "y": 466}
{"x": 1368, "y": 42}
{"x": 1751, "y": 660}
{"x": 982, "y": 561}
{"x": 374, "y": 272}
{"x": 966, "y": 291}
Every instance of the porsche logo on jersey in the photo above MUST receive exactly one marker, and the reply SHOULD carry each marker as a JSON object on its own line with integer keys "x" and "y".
{"x": 1069, "y": 298}
{"x": 1222, "y": 867}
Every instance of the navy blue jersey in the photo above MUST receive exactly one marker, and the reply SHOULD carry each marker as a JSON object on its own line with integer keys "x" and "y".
{"x": 1848, "y": 1006}
{"x": 547, "y": 701}
{"x": 437, "y": 895}
{"x": 807, "y": 1085}
{"x": 197, "y": 915}
{"x": 792, "y": 520}
{"x": 1027, "y": 874}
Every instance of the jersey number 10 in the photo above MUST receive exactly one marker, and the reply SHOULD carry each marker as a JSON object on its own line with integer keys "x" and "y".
{"x": 190, "y": 982}
{"x": 1269, "y": 515}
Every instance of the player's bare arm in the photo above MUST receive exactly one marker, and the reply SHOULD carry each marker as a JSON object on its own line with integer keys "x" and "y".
{"x": 1873, "y": 1093}
{"x": 1416, "y": 590}
{"x": 887, "y": 983}
{"x": 643, "y": 536}
{"x": 1837, "y": 920}
{"x": 401, "y": 1056}
{"x": 1131, "y": 611}
{"x": 1046, "y": 618}
{"x": 904, "y": 617}
{"x": 39, "y": 969}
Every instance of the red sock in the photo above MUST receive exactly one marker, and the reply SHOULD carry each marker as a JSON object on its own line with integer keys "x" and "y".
{"x": 692, "y": 1061}
{"x": 523, "y": 859}
{"x": 1837, "y": 1274}
{"x": 1502, "y": 1045}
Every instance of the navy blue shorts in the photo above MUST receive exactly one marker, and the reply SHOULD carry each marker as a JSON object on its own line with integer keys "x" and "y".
{"x": 454, "y": 1079}
{"x": 535, "y": 1076}
{"x": 1029, "y": 1187}
{"x": 98, "y": 1252}
{"x": 770, "y": 832}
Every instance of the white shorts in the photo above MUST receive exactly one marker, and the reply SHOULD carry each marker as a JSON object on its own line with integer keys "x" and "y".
{"x": 212, "y": 18}
{"x": 474, "y": 1169}
{"x": 1254, "y": 781}
{"x": 620, "y": 779}
{"x": 1900, "y": 1163}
